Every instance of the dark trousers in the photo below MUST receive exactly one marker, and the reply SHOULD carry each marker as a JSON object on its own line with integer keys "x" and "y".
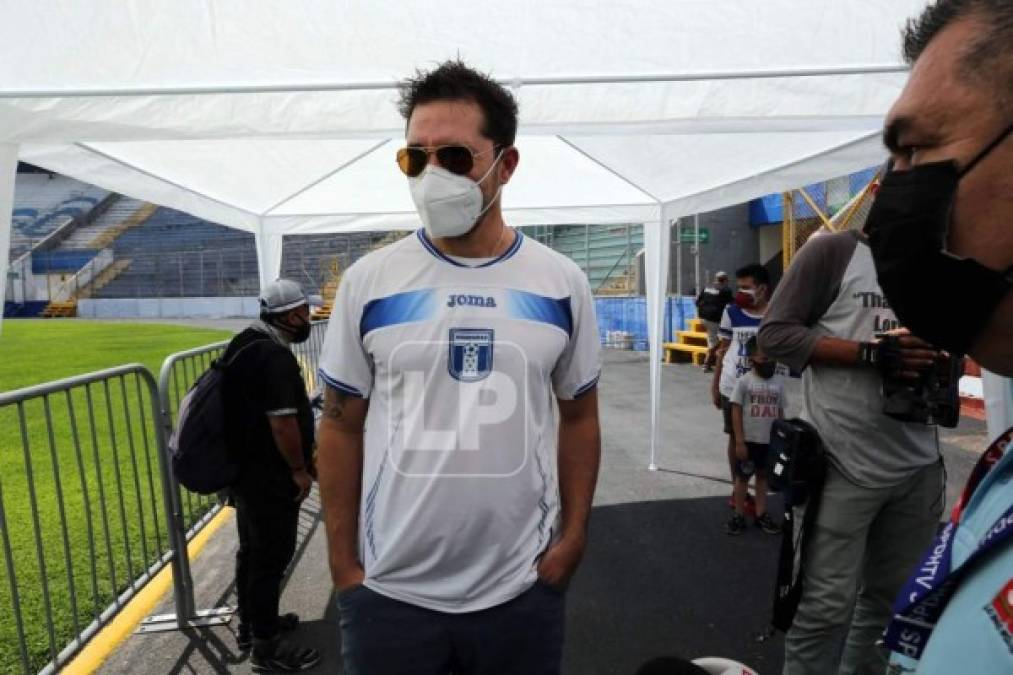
{"x": 267, "y": 534}
{"x": 521, "y": 637}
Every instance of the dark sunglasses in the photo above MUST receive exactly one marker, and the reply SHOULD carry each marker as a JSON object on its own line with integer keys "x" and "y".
{"x": 456, "y": 159}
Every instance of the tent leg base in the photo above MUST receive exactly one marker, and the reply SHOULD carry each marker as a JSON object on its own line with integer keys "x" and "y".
{"x": 204, "y": 617}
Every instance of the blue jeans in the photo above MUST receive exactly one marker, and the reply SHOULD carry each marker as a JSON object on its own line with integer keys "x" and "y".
{"x": 521, "y": 637}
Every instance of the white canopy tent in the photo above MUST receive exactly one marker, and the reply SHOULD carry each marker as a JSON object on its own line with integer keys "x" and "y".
{"x": 279, "y": 118}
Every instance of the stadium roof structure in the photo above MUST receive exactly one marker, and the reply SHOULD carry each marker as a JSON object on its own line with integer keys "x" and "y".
{"x": 280, "y": 118}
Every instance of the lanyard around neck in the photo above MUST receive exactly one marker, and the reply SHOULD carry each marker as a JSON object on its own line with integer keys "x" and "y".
{"x": 933, "y": 583}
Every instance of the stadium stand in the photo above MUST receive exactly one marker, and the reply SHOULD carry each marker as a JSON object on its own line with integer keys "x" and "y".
{"x": 43, "y": 203}
{"x": 606, "y": 254}
{"x": 173, "y": 254}
{"x": 103, "y": 230}
{"x": 315, "y": 259}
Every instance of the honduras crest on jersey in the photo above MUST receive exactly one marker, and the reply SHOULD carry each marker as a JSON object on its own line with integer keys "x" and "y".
{"x": 470, "y": 353}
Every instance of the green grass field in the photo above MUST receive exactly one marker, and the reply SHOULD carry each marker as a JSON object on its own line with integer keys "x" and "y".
{"x": 109, "y": 525}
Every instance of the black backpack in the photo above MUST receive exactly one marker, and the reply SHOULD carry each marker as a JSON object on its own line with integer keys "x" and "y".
{"x": 199, "y": 447}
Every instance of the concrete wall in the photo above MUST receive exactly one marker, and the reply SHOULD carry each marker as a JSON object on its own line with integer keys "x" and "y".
{"x": 168, "y": 308}
{"x": 770, "y": 241}
{"x": 733, "y": 243}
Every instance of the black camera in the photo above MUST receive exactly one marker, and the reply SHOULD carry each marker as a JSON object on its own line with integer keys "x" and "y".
{"x": 932, "y": 398}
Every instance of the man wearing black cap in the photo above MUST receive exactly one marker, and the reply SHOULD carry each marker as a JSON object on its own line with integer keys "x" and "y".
{"x": 271, "y": 432}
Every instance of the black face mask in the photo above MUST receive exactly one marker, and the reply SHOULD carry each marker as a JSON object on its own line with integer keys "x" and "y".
{"x": 298, "y": 333}
{"x": 907, "y": 228}
{"x": 301, "y": 333}
{"x": 765, "y": 370}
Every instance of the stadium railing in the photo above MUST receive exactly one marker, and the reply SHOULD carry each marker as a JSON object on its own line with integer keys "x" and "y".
{"x": 190, "y": 511}
{"x": 106, "y": 433}
{"x": 88, "y": 531}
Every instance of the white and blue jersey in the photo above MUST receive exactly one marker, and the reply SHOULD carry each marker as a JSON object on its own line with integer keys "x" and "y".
{"x": 737, "y": 326}
{"x": 460, "y": 363}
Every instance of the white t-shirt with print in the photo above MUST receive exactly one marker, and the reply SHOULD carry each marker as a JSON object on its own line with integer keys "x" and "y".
{"x": 762, "y": 401}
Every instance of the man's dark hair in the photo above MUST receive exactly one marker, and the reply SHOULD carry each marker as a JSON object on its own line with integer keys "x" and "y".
{"x": 455, "y": 81}
{"x": 988, "y": 57}
{"x": 757, "y": 272}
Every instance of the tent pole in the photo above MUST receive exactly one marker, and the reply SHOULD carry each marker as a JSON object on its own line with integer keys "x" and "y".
{"x": 998, "y": 406}
{"x": 301, "y": 87}
{"x": 678, "y": 258}
{"x": 696, "y": 252}
{"x": 260, "y": 238}
{"x": 657, "y": 238}
{"x": 8, "y": 172}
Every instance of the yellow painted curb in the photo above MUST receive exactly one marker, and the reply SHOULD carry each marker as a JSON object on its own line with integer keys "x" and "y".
{"x": 100, "y": 647}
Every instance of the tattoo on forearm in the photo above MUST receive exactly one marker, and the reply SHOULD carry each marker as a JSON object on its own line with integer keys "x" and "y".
{"x": 334, "y": 404}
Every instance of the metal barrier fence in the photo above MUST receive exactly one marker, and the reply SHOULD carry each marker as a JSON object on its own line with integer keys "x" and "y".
{"x": 86, "y": 528}
{"x": 189, "y": 511}
{"x": 308, "y": 355}
{"x": 89, "y": 508}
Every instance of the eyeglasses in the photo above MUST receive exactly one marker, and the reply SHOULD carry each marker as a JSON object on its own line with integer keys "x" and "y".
{"x": 457, "y": 159}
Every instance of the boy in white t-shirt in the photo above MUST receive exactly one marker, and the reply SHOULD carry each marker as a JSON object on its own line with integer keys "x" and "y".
{"x": 757, "y": 400}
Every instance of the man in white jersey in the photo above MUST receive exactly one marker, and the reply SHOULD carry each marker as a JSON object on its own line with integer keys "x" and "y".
{"x": 456, "y": 502}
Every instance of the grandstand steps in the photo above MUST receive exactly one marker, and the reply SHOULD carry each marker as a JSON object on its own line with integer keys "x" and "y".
{"x": 691, "y": 345}
{"x": 56, "y": 310}
{"x": 104, "y": 278}
{"x": 110, "y": 235}
{"x": 329, "y": 290}
{"x": 95, "y": 235}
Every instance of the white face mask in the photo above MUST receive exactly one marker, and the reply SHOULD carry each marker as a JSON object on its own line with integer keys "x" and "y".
{"x": 449, "y": 205}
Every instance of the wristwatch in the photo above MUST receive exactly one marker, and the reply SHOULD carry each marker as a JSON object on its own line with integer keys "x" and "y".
{"x": 868, "y": 353}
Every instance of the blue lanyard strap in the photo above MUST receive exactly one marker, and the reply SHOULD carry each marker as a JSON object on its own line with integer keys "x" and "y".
{"x": 930, "y": 588}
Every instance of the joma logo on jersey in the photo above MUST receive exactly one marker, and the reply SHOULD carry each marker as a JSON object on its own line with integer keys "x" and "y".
{"x": 471, "y": 301}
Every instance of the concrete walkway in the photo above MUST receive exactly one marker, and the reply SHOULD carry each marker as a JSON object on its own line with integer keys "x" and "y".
{"x": 659, "y": 577}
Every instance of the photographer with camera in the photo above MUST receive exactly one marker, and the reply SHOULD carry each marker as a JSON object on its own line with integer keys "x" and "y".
{"x": 883, "y": 491}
